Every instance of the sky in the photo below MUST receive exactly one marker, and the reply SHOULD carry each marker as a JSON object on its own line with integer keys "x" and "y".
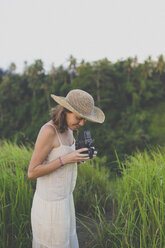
{"x": 52, "y": 30}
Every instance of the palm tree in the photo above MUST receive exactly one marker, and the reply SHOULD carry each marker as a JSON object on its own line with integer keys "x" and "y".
{"x": 12, "y": 68}
{"x": 160, "y": 66}
{"x": 72, "y": 67}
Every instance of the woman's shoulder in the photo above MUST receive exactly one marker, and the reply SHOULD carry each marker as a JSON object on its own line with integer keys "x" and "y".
{"x": 47, "y": 130}
{"x": 46, "y": 135}
{"x": 48, "y": 127}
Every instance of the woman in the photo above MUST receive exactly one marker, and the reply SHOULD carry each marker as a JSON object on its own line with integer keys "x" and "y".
{"x": 54, "y": 164}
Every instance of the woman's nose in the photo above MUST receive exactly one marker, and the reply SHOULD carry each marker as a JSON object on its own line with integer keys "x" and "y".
{"x": 82, "y": 122}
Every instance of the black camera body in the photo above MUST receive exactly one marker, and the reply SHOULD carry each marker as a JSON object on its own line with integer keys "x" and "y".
{"x": 85, "y": 141}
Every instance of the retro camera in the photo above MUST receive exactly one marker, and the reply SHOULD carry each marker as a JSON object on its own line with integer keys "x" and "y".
{"x": 85, "y": 141}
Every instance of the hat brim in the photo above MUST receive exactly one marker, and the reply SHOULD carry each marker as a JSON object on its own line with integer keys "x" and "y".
{"x": 96, "y": 115}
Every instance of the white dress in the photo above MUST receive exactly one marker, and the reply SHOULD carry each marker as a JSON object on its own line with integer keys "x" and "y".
{"x": 53, "y": 213}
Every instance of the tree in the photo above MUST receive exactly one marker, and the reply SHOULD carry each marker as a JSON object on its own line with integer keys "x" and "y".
{"x": 72, "y": 67}
{"x": 12, "y": 68}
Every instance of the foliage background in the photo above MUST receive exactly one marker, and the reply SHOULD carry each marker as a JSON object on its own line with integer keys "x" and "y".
{"x": 130, "y": 93}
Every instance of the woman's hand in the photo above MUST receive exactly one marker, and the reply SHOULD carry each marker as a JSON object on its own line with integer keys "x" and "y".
{"x": 75, "y": 156}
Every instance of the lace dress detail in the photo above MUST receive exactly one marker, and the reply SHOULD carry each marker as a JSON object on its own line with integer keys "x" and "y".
{"x": 53, "y": 212}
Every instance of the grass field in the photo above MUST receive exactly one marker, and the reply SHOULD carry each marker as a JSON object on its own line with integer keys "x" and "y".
{"x": 126, "y": 211}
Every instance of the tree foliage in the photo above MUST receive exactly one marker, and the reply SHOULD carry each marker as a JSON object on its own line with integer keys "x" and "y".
{"x": 128, "y": 92}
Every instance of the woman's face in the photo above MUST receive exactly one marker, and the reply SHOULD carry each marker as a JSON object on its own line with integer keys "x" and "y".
{"x": 74, "y": 121}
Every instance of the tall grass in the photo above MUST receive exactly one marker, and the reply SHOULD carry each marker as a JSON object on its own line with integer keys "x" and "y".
{"x": 142, "y": 200}
{"x": 141, "y": 205}
{"x": 93, "y": 187}
{"x": 125, "y": 213}
{"x": 16, "y": 193}
{"x": 15, "y": 196}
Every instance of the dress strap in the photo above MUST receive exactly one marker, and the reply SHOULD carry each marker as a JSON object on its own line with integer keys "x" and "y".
{"x": 56, "y": 132}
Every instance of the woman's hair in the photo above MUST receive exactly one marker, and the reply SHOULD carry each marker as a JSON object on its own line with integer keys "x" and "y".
{"x": 58, "y": 116}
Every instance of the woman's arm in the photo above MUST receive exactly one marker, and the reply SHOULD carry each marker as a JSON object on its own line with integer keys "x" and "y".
{"x": 43, "y": 146}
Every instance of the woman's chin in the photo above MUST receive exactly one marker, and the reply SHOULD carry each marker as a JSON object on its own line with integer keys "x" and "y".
{"x": 75, "y": 127}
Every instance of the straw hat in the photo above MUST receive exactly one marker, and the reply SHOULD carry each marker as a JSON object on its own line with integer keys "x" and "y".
{"x": 82, "y": 104}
